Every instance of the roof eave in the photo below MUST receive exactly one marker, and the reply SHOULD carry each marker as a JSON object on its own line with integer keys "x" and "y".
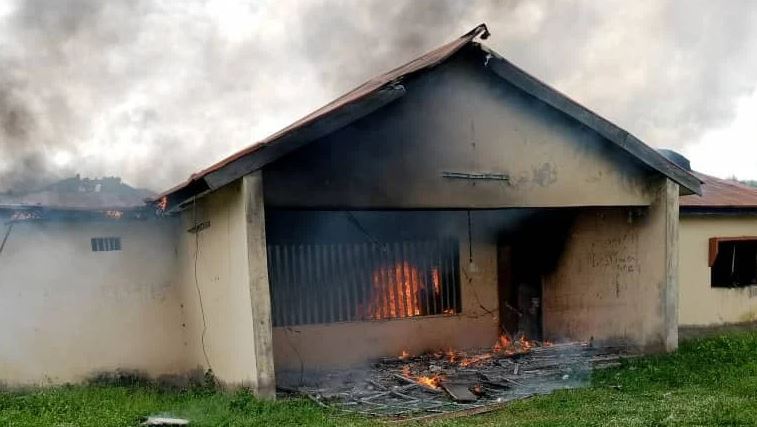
{"x": 719, "y": 210}
{"x": 381, "y": 91}
{"x": 269, "y": 151}
{"x": 300, "y": 136}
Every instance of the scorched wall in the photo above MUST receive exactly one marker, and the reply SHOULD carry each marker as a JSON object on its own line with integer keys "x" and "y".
{"x": 616, "y": 281}
{"x": 328, "y": 346}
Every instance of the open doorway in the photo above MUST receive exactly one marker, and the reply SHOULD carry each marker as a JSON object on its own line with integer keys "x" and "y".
{"x": 524, "y": 257}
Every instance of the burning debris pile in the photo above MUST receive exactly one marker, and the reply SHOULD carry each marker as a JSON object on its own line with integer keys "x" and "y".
{"x": 450, "y": 381}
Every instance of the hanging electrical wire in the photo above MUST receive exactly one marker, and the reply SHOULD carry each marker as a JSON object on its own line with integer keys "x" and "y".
{"x": 8, "y": 230}
{"x": 197, "y": 285}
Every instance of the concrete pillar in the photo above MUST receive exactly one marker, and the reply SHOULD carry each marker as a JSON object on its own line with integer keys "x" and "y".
{"x": 264, "y": 385}
{"x": 669, "y": 200}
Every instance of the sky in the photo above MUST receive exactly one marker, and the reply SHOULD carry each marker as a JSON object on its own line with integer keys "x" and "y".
{"x": 154, "y": 90}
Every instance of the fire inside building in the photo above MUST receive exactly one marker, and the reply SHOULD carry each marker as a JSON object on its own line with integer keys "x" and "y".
{"x": 442, "y": 205}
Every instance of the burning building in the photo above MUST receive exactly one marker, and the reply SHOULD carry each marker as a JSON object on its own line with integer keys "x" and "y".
{"x": 435, "y": 206}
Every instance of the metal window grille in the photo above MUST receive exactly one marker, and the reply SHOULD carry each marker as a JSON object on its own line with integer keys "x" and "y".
{"x": 103, "y": 244}
{"x": 340, "y": 282}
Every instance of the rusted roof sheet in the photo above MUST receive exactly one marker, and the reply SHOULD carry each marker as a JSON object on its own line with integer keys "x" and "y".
{"x": 361, "y": 100}
{"x": 426, "y": 61}
{"x": 721, "y": 193}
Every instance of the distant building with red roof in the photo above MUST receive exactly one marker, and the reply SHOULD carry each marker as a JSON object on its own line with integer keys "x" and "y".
{"x": 717, "y": 254}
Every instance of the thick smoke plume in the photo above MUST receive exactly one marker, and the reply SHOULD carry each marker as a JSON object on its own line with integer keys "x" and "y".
{"x": 152, "y": 90}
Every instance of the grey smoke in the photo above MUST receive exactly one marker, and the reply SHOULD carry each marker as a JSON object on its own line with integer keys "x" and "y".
{"x": 155, "y": 90}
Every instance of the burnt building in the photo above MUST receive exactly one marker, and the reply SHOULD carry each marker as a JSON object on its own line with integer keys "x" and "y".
{"x": 438, "y": 205}
{"x": 434, "y": 206}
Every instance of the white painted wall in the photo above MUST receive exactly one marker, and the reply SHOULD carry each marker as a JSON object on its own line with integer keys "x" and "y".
{"x": 215, "y": 290}
{"x": 67, "y": 312}
{"x": 701, "y": 304}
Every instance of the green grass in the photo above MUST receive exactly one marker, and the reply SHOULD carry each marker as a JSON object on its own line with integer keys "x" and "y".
{"x": 710, "y": 382}
{"x": 707, "y": 382}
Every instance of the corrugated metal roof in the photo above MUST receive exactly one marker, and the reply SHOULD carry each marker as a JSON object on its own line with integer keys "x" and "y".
{"x": 338, "y": 112}
{"x": 428, "y": 60}
{"x": 721, "y": 193}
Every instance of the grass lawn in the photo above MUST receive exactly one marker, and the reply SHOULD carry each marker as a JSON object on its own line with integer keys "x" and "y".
{"x": 707, "y": 382}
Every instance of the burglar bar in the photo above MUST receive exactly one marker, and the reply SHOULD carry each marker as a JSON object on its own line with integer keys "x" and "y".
{"x": 315, "y": 283}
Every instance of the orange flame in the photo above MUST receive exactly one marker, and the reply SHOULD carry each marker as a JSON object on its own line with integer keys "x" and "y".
{"x": 503, "y": 342}
{"x": 406, "y": 371}
{"x": 436, "y": 280}
{"x": 525, "y": 344}
{"x": 395, "y": 292}
{"x": 504, "y": 345}
{"x": 431, "y": 382}
{"x": 468, "y": 361}
{"x": 162, "y": 203}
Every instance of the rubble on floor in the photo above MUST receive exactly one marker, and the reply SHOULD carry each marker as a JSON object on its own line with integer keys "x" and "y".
{"x": 443, "y": 382}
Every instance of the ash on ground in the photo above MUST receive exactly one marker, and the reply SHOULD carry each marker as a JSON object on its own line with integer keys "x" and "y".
{"x": 443, "y": 382}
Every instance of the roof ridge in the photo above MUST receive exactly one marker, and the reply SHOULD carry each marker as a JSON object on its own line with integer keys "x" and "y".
{"x": 427, "y": 60}
{"x": 385, "y": 88}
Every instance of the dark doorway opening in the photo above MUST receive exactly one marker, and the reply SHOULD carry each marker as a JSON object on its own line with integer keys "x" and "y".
{"x": 524, "y": 257}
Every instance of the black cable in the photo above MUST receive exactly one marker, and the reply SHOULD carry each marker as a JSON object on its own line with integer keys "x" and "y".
{"x": 362, "y": 229}
{"x": 197, "y": 285}
{"x": 5, "y": 238}
{"x": 470, "y": 261}
{"x": 475, "y": 295}
{"x": 470, "y": 239}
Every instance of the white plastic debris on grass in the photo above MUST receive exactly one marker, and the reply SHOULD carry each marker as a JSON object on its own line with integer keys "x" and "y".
{"x": 165, "y": 421}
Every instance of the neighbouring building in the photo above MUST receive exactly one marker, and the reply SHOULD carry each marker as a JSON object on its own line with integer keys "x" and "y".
{"x": 718, "y": 255}
{"x": 436, "y": 205}
{"x": 86, "y": 283}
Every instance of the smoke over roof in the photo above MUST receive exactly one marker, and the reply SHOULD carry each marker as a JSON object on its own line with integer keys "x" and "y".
{"x": 152, "y": 91}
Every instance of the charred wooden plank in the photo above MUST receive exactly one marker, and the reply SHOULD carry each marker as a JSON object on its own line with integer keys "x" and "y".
{"x": 460, "y": 392}
{"x": 412, "y": 381}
